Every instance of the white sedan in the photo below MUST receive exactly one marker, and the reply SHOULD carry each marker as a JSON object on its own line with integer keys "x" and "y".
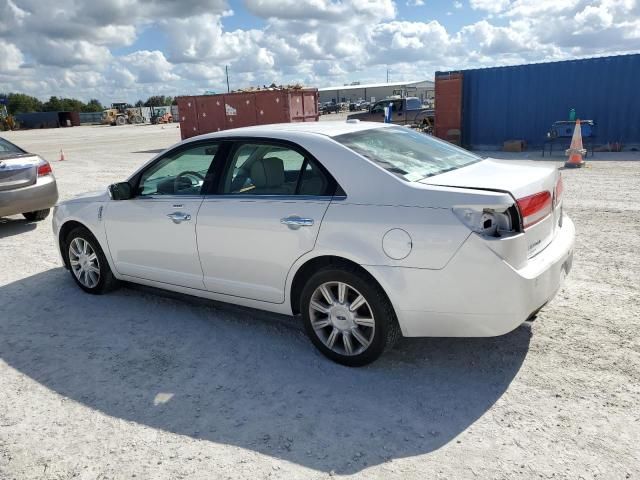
{"x": 367, "y": 231}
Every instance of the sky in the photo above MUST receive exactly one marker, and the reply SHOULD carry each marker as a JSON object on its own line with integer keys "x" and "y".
{"x": 124, "y": 50}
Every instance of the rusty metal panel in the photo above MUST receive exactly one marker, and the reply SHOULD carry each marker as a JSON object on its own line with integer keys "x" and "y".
{"x": 188, "y": 117}
{"x": 310, "y": 103}
{"x": 240, "y": 109}
{"x": 296, "y": 106}
{"x": 448, "y": 97}
{"x": 271, "y": 107}
{"x": 210, "y": 112}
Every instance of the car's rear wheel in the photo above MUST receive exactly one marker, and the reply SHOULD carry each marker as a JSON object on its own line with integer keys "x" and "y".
{"x": 87, "y": 263}
{"x": 37, "y": 215}
{"x": 347, "y": 316}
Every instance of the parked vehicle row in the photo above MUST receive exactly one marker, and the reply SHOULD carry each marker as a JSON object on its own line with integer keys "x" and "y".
{"x": 404, "y": 111}
{"x": 368, "y": 231}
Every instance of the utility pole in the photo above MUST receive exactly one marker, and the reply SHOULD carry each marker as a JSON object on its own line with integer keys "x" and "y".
{"x": 387, "y": 74}
{"x": 226, "y": 71}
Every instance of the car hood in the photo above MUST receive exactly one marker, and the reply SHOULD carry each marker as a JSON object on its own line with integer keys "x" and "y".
{"x": 520, "y": 178}
{"x": 88, "y": 197}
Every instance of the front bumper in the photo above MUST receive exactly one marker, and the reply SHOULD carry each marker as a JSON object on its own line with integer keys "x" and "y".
{"x": 39, "y": 196}
{"x": 478, "y": 294}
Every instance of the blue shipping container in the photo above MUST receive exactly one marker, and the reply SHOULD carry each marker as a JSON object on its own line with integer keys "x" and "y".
{"x": 523, "y": 101}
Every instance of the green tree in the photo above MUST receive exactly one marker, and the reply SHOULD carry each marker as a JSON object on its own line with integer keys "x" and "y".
{"x": 21, "y": 103}
{"x": 94, "y": 105}
{"x": 158, "y": 101}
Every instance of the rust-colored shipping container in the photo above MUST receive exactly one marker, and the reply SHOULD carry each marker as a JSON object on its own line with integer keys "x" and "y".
{"x": 448, "y": 93}
{"x": 212, "y": 113}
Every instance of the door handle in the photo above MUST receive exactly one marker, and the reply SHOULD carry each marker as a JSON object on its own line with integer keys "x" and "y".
{"x": 294, "y": 222}
{"x": 178, "y": 217}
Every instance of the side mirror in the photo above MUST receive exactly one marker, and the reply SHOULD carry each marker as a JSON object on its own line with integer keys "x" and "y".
{"x": 120, "y": 191}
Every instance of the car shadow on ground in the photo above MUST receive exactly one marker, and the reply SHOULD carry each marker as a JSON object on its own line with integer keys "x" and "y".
{"x": 247, "y": 378}
{"x": 10, "y": 227}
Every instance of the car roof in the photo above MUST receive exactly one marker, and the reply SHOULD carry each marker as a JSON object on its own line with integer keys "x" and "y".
{"x": 329, "y": 129}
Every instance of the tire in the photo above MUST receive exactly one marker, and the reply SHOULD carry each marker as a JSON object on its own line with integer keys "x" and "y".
{"x": 121, "y": 120}
{"x": 371, "y": 328}
{"x": 96, "y": 283}
{"x": 36, "y": 216}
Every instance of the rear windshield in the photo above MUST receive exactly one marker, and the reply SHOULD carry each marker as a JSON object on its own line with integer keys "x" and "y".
{"x": 410, "y": 155}
{"x": 8, "y": 147}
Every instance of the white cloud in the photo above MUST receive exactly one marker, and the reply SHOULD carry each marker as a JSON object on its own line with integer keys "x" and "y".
{"x": 74, "y": 47}
{"x": 149, "y": 66}
{"x": 493, "y": 6}
{"x": 10, "y": 57}
{"x": 415, "y": 3}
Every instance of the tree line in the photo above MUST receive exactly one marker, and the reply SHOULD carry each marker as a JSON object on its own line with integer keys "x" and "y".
{"x": 22, "y": 103}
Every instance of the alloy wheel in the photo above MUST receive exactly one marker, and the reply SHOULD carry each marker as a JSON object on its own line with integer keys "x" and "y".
{"x": 342, "y": 318}
{"x": 84, "y": 262}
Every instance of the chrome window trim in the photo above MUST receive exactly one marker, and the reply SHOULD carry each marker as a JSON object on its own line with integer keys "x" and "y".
{"x": 269, "y": 197}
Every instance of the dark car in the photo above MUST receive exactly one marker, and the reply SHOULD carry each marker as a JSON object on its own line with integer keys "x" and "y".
{"x": 330, "y": 107}
{"x": 404, "y": 111}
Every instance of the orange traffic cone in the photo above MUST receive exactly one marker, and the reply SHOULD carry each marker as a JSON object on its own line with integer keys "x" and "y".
{"x": 61, "y": 156}
{"x": 576, "y": 152}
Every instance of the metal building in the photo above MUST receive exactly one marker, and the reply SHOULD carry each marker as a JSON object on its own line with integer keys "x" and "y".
{"x": 372, "y": 92}
{"x": 523, "y": 101}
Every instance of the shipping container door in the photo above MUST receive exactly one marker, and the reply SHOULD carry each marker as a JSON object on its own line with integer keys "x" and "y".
{"x": 211, "y": 115}
{"x": 296, "y": 106}
{"x": 448, "y": 92}
{"x": 240, "y": 110}
{"x": 271, "y": 107}
{"x": 188, "y": 117}
{"x": 310, "y": 103}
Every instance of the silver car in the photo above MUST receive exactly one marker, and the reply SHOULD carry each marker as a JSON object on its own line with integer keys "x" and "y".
{"x": 27, "y": 183}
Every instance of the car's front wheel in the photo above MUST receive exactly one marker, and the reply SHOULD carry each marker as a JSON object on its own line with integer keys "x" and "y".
{"x": 36, "y": 216}
{"x": 87, "y": 263}
{"x": 347, "y": 316}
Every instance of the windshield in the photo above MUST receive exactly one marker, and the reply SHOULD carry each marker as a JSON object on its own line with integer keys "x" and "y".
{"x": 409, "y": 154}
{"x": 8, "y": 147}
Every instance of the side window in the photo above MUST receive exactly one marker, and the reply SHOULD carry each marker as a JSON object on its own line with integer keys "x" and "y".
{"x": 261, "y": 169}
{"x": 414, "y": 104}
{"x": 396, "y": 106}
{"x": 378, "y": 108}
{"x": 180, "y": 174}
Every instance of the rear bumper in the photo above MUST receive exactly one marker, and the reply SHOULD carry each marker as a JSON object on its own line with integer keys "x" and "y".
{"x": 477, "y": 294}
{"x": 40, "y": 196}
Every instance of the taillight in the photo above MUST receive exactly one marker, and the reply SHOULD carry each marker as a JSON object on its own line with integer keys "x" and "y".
{"x": 559, "y": 190}
{"x": 44, "y": 169}
{"x": 534, "y": 208}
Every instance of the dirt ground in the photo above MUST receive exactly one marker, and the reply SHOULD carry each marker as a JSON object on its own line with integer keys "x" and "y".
{"x": 141, "y": 384}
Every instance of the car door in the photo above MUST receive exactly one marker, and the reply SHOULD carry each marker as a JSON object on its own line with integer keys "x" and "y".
{"x": 266, "y": 213}
{"x": 376, "y": 114}
{"x": 153, "y": 235}
{"x": 398, "y": 114}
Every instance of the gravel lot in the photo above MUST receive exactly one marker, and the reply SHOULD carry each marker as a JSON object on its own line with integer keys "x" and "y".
{"x": 145, "y": 384}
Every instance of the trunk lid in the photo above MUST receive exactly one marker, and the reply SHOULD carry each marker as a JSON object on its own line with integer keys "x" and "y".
{"x": 18, "y": 171}
{"x": 521, "y": 180}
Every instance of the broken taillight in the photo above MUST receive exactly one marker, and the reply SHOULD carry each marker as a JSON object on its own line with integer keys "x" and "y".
{"x": 534, "y": 208}
{"x": 559, "y": 190}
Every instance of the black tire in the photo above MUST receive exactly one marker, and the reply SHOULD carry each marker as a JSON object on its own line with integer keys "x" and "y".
{"x": 106, "y": 281}
{"x": 36, "y": 216}
{"x": 121, "y": 120}
{"x": 386, "y": 331}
